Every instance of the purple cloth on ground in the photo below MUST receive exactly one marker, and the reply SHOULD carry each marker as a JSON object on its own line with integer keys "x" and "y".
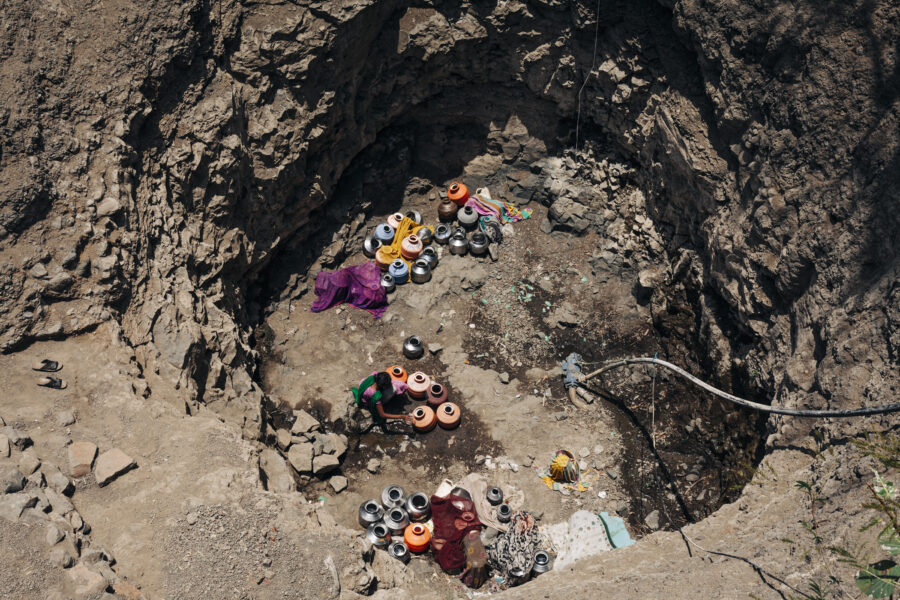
{"x": 360, "y": 285}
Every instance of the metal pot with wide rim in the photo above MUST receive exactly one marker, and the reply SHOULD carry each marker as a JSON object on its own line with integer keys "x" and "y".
{"x": 543, "y": 562}
{"x": 467, "y": 217}
{"x": 420, "y": 272}
{"x": 418, "y": 507}
{"x": 425, "y": 234}
{"x": 396, "y": 520}
{"x": 442, "y": 234}
{"x": 378, "y": 535}
{"x": 371, "y": 246}
{"x": 370, "y": 512}
{"x": 398, "y": 550}
{"x": 388, "y": 283}
{"x": 393, "y": 495}
{"x": 430, "y": 256}
{"x": 459, "y": 245}
{"x": 478, "y": 244}
{"x": 413, "y": 347}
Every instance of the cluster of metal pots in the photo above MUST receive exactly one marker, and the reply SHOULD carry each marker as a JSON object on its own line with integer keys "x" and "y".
{"x": 464, "y": 237}
{"x": 396, "y": 522}
{"x": 460, "y": 242}
{"x": 418, "y": 257}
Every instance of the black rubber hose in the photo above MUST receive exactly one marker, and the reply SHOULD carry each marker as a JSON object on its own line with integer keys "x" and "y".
{"x": 853, "y": 412}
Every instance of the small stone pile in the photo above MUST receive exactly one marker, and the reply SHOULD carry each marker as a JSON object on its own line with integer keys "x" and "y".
{"x": 37, "y": 493}
{"x": 302, "y": 452}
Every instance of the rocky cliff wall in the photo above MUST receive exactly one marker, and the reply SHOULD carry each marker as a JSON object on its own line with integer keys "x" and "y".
{"x": 157, "y": 156}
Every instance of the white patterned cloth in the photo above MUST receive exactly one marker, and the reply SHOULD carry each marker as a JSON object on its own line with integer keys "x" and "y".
{"x": 583, "y": 535}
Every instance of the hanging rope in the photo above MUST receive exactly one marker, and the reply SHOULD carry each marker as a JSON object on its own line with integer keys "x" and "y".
{"x": 853, "y": 412}
{"x": 591, "y": 72}
{"x": 653, "y": 407}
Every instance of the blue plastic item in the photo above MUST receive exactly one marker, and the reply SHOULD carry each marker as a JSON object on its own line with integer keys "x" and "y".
{"x": 384, "y": 233}
{"x": 615, "y": 530}
{"x": 399, "y": 271}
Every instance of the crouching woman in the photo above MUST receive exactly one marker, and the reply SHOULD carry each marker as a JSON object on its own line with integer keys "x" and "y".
{"x": 376, "y": 391}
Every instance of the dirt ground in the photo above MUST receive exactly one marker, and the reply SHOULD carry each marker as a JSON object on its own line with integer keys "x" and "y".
{"x": 190, "y": 521}
{"x": 158, "y": 158}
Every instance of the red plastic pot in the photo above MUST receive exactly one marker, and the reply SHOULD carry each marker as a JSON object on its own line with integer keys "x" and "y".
{"x": 437, "y": 395}
{"x": 417, "y": 537}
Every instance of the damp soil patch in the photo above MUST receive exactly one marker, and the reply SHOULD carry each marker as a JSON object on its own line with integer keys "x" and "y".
{"x": 685, "y": 452}
{"x": 408, "y": 458}
{"x": 417, "y": 462}
{"x": 432, "y": 451}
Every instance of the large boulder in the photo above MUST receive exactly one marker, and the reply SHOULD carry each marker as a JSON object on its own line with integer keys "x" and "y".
{"x": 303, "y": 423}
{"x": 13, "y": 505}
{"x": 56, "y": 479}
{"x": 81, "y": 458}
{"x": 276, "y": 475}
{"x": 111, "y": 464}
{"x": 11, "y": 480}
{"x": 301, "y": 458}
{"x": 86, "y": 582}
{"x": 17, "y": 439}
{"x": 325, "y": 463}
{"x": 336, "y": 444}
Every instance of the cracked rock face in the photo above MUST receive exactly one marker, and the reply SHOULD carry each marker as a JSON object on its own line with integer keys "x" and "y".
{"x": 157, "y": 158}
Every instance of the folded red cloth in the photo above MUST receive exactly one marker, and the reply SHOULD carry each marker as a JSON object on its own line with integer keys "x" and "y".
{"x": 453, "y": 518}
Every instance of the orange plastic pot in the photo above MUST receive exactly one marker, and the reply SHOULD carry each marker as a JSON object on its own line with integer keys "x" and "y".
{"x": 437, "y": 395}
{"x": 458, "y": 193}
{"x": 448, "y": 415}
{"x": 418, "y": 384}
{"x": 411, "y": 247}
{"x": 397, "y": 373}
{"x": 383, "y": 259}
{"x": 423, "y": 419}
{"x": 417, "y": 537}
{"x": 394, "y": 220}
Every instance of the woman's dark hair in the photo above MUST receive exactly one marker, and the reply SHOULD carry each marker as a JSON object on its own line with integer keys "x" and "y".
{"x": 382, "y": 381}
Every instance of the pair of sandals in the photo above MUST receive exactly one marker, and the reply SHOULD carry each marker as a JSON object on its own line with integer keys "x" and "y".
{"x": 49, "y": 366}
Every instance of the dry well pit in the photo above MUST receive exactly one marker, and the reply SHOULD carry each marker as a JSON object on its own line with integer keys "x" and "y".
{"x": 559, "y": 286}
{"x": 713, "y": 183}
